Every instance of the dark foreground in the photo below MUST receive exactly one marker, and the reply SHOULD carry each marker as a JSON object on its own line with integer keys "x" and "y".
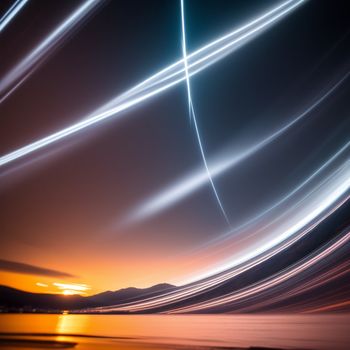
{"x": 174, "y": 332}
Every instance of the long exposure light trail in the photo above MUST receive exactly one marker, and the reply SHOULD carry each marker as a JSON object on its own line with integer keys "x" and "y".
{"x": 11, "y": 13}
{"x": 224, "y": 45}
{"x": 159, "y": 82}
{"x": 190, "y": 183}
{"x": 312, "y": 283}
{"x": 261, "y": 225}
{"x": 199, "y": 287}
{"x": 330, "y": 196}
{"x": 280, "y": 278}
{"x": 290, "y": 194}
{"x": 20, "y": 72}
{"x": 192, "y": 113}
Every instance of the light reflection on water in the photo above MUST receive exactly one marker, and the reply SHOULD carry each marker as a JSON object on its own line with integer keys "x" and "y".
{"x": 164, "y": 332}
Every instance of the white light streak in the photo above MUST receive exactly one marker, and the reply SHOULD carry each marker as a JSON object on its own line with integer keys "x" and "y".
{"x": 333, "y": 194}
{"x": 17, "y": 75}
{"x": 194, "y": 181}
{"x": 11, "y": 13}
{"x": 192, "y": 113}
{"x": 161, "y": 81}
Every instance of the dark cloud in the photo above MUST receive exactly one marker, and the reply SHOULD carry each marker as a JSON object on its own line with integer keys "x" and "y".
{"x": 13, "y": 266}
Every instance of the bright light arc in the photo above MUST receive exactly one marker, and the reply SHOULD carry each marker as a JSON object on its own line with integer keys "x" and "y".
{"x": 163, "y": 80}
{"x": 11, "y": 13}
{"x": 192, "y": 113}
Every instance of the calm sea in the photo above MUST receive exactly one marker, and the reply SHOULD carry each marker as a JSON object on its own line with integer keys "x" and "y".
{"x": 175, "y": 332}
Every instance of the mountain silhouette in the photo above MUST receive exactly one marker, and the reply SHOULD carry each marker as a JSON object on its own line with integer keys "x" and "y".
{"x": 12, "y": 299}
{"x": 333, "y": 291}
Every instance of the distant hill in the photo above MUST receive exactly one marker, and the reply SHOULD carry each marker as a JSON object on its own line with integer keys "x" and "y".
{"x": 324, "y": 286}
{"x": 13, "y": 299}
{"x": 129, "y": 294}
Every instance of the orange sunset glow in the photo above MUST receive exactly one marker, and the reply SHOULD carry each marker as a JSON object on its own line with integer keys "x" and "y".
{"x": 91, "y": 279}
{"x": 175, "y": 174}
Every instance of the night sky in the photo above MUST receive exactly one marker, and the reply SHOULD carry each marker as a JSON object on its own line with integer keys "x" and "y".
{"x": 80, "y": 206}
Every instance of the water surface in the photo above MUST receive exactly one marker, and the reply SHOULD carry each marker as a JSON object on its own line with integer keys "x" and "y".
{"x": 174, "y": 332}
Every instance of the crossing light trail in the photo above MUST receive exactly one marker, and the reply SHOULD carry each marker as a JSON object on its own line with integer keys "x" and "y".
{"x": 21, "y": 71}
{"x": 229, "y": 159}
{"x": 11, "y": 13}
{"x": 166, "y": 78}
{"x": 192, "y": 113}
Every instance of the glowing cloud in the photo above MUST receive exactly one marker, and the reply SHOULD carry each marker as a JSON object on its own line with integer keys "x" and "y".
{"x": 72, "y": 288}
{"x": 44, "y": 285}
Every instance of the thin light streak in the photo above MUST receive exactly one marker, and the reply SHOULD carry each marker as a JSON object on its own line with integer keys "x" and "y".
{"x": 192, "y": 114}
{"x": 315, "y": 282}
{"x": 333, "y": 194}
{"x": 11, "y": 13}
{"x": 18, "y": 74}
{"x": 337, "y": 189}
{"x": 270, "y": 283}
{"x": 205, "y": 56}
{"x": 184, "y": 55}
{"x": 190, "y": 183}
{"x": 289, "y": 195}
{"x": 269, "y": 17}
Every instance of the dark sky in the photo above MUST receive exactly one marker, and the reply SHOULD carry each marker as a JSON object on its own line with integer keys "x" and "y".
{"x": 68, "y": 207}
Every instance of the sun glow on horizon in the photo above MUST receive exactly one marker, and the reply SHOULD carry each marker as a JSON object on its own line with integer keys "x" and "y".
{"x": 71, "y": 292}
{"x": 72, "y": 288}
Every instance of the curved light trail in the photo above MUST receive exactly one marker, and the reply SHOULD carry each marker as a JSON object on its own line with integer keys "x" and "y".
{"x": 19, "y": 73}
{"x": 171, "y": 76}
{"x": 284, "y": 199}
{"x": 11, "y": 13}
{"x": 190, "y": 183}
{"x": 294, "y": 236}
{"x": 269, "y": 283}
{"x": 169, "y": 300}
{"x": 192, "y": 113}
{"x": 321, "y": 202}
